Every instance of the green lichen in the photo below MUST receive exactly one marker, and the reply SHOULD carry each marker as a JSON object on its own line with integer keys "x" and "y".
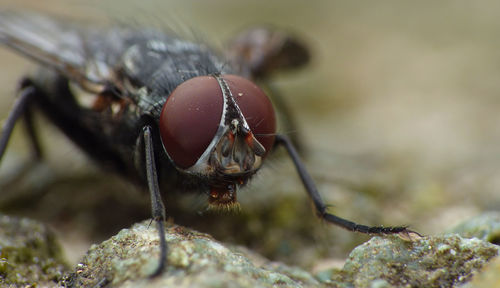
{"x": 195, "y": 260}
{"x": 440, "y": 261}
{"x": 29, "y": 254}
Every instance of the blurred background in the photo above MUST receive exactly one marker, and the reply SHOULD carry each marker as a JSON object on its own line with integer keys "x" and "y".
{"x": 397, "y": 114}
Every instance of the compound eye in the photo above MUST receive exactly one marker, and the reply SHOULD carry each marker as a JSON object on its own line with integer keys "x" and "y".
{"x": 190, "y": 118}
{"x": 256, "y": 107}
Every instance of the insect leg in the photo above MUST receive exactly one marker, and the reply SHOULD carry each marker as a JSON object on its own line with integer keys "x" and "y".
{"x": 157, "y": 207}
{"x": 30, "y": 128}
{"x": 321, "y": 207}
{"x": 17, "y": 111}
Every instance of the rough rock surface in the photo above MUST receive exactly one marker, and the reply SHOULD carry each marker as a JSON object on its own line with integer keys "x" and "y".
{"x": 29, "y": 254}
{"x": 485, "y": 226}
{"x": 440, "y": 261}
{"x": 488, "y": 277}
{"x": 197, "y": 260}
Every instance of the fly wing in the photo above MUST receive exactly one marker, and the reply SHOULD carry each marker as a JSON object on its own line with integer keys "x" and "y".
{"x": 59, "y": 45}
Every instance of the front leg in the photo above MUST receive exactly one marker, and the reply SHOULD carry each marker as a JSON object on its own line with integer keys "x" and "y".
{"x": 21, "y": 108}
{"x": 157, "y": 207}
{"x": 321, "y": 207}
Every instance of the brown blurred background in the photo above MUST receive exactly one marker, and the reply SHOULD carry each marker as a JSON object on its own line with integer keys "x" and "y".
{"x": 398, "y": 113}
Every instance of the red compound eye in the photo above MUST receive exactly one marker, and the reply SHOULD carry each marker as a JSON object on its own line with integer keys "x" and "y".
{"x": 192, "y": 114}
{"x": 190, "y": 118}
{"x": 256, "y": 107}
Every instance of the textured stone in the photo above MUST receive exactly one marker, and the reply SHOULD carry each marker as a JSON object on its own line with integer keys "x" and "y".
{"x": 485, "y": 226}
{"x": 194, "y": 260}
{"x": 29, "y": 254}
{"x": 440, "y": 261}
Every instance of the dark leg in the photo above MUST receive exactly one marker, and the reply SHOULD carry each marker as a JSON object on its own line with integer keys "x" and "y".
{"x": 157, "y": 207}
{"x": 19, "y": 108}
{"x": 82, "y": 126}
{"x": 30, "y": 129}
{"x": 22, "y": 109}
{"x": 321, "y": 207}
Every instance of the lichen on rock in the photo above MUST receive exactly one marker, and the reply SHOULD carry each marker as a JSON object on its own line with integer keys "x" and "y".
{"x": 194, "y": 260}
{"x": 29, "y": 254}
{"x": 438, "y": 261}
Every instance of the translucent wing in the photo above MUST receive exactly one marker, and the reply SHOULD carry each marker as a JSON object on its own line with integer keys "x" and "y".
{"x": 69, "y": 49}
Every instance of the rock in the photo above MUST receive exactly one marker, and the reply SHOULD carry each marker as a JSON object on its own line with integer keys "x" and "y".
{"x": 29, "y": 254}
{"x": 195, "y": 260}
{"x": 440, "y": 261}
{"x": 485, "y": 226}
{"x": 488, "y": 277}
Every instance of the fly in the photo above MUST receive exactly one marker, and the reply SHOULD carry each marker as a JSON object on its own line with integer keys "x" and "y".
{"x": 163, "y": 108}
